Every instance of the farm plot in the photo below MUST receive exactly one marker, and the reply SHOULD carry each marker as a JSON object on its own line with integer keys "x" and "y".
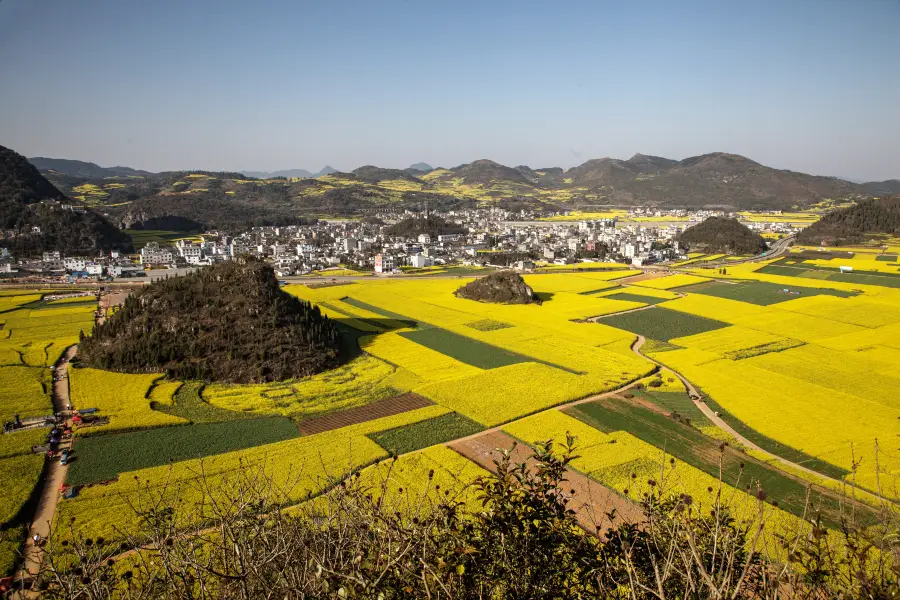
{"x": 816, "y": 416}
{"x": 24, "y": 390}
{"x": 862, "y": 311}
{"x": 689, "y": 445}
{"x": 627, "y": 464}
{"x": 806, "y": 270}
{"x": 424, "y": 362}
{"x": 450, "y": 426}
{"x": 760, "y": 293}
{"x": 18, "y": 474}
{"x": 103, "y": 457}
{"x": 566, "y": 283}
{"x": 185, "y": 402}
{"x": 415, "y": 484}
{"x": 661, "y": 323}
{"x": 120, "y": 396}
{"x": 737, "y": 342}
{"x": 38, "y": 336}
{"x": 503, "y": 394}
{"x": 670, "y": 281}
{"x": 363, "y": 380}
{"x": 636, "y": 297}
{"x": 464, "y": 349}
{"x": 292, "y": 470}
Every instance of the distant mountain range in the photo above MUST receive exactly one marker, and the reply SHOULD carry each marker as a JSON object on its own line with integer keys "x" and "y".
{"x": 132, "y": 198}
{"x": 327, "y": 170}
{"x": 78, "y": 168}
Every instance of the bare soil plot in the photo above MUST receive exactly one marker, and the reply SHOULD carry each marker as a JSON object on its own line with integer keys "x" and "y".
{"x": 590, "y": 500}
{"x": 361, "y": 414}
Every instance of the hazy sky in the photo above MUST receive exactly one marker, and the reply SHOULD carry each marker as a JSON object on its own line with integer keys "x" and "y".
{"x": 808, "y": 85}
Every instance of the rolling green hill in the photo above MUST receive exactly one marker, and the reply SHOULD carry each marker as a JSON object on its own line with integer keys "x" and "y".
{"x": 236, "y": 201}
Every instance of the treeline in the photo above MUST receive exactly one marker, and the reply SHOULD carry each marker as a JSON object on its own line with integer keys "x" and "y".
{"x": 721, "y": 234}
{"x": 230, "y": 322}
{"x": 854, "y": 223}
{"x": 432, "y": 225}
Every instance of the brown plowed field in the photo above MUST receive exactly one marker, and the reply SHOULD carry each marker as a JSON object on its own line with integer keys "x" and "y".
{"x": 360, "y": 414}
{"x": 590, "y": 500}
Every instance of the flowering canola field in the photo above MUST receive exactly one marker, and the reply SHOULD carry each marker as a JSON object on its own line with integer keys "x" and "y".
{"x": 816, "y": 373}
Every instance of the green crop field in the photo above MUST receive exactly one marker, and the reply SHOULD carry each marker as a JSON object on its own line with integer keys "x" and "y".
{"x": 104, "y": 457}
{"x": 691, "y": 446}
{"x": 188, "y": 404}
{"x": 142, "y": 237}
{"x": 438, "y": 430}
{"x": 662, "y": 324}
{"x": 761, "y": 293}
{"x": 464, "y": 349}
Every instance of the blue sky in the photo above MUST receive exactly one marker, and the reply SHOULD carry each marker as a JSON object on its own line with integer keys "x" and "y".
{"x": 810, "y": 85}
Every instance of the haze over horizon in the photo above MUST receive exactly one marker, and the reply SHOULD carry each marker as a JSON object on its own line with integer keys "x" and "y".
{"x": 279, "y": 85}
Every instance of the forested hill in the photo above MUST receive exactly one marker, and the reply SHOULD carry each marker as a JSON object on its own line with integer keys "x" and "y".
{"x": 229, "y": 322}
{"x": 35, "y": 216}
{"x": 854, "y": 223}
{"x": 721, "y": 234}
{"x": 502, "y": 287}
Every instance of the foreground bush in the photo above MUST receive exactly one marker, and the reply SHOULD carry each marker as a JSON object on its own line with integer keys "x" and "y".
{"x": 524, "y": 542}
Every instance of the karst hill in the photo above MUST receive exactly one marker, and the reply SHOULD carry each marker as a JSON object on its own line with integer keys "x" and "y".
{"x": 502, "y": 287}
{"x": 721, "y": 234}
{"x": 229, "y": 322}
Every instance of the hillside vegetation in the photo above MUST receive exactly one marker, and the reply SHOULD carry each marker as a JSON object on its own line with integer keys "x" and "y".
{"x": 234, "y": 200}
{"x": 721, "y": 234}
{"x": 230, "y": 322}
{"x": 854, "y": 223}
{"x": 504, "y": 287}
{"x": 432, "y": 225}
{"x": 41, "y": 217}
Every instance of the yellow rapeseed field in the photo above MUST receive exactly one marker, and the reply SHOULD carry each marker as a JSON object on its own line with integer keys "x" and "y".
{"x": 415, "y": 483}
{"x": 361, "y": 381}
{"x": 120, "y": 396}
{"x": 670, "y": 281}
{"x": 297, "y": 468}
{"x": 503, "y": 394}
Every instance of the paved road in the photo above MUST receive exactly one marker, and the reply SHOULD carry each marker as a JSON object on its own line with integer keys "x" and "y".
{"x": 54, "y": 475}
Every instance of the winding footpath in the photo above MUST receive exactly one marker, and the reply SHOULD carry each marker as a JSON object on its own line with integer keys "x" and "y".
{"x": 53, "y": 477}
{"x": 716, "y": 420}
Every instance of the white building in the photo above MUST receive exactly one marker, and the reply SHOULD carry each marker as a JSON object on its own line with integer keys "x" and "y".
{"x": 420, "y": 260}
{"x": 94, "y": 269}
{"x": 75, "y": 264}
{"x": 154, "y": 254}
{"x": 384, "y": 263}
{"x": 424, "y": 238}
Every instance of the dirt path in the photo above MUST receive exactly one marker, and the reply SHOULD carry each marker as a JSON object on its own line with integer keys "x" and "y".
{"x": 590, "y": 500}
{"x": 54, "y": 475}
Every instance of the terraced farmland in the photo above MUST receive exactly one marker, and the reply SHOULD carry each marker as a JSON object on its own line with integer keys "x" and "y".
{"x": 807, "y": 377}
